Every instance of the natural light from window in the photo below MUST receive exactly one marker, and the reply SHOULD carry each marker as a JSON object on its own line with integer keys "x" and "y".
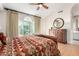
{"x": 26, "y": 26}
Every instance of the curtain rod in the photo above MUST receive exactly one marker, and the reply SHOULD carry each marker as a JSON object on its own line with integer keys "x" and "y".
{"x": 20, "y": 12}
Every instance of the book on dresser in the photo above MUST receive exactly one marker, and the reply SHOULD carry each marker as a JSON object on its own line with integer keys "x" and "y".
{"x": 60, "y": 34}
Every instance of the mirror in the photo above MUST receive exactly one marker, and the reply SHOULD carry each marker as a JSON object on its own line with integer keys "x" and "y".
{"x": 75, "y": 17}
{"x": 58, "y": 23}
{"x": 76, "y": 23}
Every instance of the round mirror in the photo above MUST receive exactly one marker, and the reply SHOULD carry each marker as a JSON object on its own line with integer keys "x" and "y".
{"x": 58, "y": 23}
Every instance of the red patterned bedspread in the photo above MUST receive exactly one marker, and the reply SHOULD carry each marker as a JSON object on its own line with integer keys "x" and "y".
{"x": 34, "y": 46}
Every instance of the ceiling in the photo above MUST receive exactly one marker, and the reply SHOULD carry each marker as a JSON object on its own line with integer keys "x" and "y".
{"x": 31, "y": 9}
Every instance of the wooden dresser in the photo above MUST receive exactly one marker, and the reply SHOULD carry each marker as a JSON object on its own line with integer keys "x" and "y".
{"x": 60, "y": 34}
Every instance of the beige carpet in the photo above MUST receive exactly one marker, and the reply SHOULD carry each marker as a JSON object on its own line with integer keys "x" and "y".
{"x": 69, "y": 49}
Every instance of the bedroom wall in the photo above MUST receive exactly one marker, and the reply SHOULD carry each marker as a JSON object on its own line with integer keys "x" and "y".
{"x": 47, "y": 23}
{"x": 75, "y": 12}
{"x": 2, "y": 21}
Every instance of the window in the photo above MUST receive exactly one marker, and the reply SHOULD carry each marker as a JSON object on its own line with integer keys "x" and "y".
{"x": 26, "y": 26}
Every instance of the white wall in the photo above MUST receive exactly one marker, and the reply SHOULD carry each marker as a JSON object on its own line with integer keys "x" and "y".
{"x": 2, "y": 21}
{"x": 75, "y": 12}
{"x": 47, "y": 22}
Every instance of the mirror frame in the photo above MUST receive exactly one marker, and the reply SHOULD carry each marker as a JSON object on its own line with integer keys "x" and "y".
{"x": 55, "y": 23}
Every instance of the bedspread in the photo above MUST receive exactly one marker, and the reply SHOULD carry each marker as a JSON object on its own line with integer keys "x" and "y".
{"x": 34, "y": 46}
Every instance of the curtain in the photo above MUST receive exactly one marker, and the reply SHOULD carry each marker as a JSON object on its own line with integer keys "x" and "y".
{"x": 12, "y": 24}
{"x": 37, "y": 24}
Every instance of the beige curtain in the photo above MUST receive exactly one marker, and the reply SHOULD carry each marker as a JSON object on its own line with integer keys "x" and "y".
{"x": 12, "y": 24}
{"x": 37, "y": 24}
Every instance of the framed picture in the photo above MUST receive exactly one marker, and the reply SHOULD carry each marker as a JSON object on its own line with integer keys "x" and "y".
{"x": 58, "y": 23}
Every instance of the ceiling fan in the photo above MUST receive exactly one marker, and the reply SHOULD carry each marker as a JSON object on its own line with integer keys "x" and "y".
{"x": 40, "y": 5}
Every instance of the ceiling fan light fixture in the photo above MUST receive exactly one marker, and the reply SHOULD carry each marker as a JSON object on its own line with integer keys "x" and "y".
{"x": 40, "y": 5}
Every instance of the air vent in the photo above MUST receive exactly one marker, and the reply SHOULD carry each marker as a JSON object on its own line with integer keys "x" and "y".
{"x": 60, "y": 11}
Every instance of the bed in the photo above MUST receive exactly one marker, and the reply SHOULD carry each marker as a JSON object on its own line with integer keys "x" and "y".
{"x": 35, "y": 45}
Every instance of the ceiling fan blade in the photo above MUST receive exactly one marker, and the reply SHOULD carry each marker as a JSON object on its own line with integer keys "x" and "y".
{"x": 38, "y": 8}
{"x": 34, "y": 3}
{"x": 45, "y": 6}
